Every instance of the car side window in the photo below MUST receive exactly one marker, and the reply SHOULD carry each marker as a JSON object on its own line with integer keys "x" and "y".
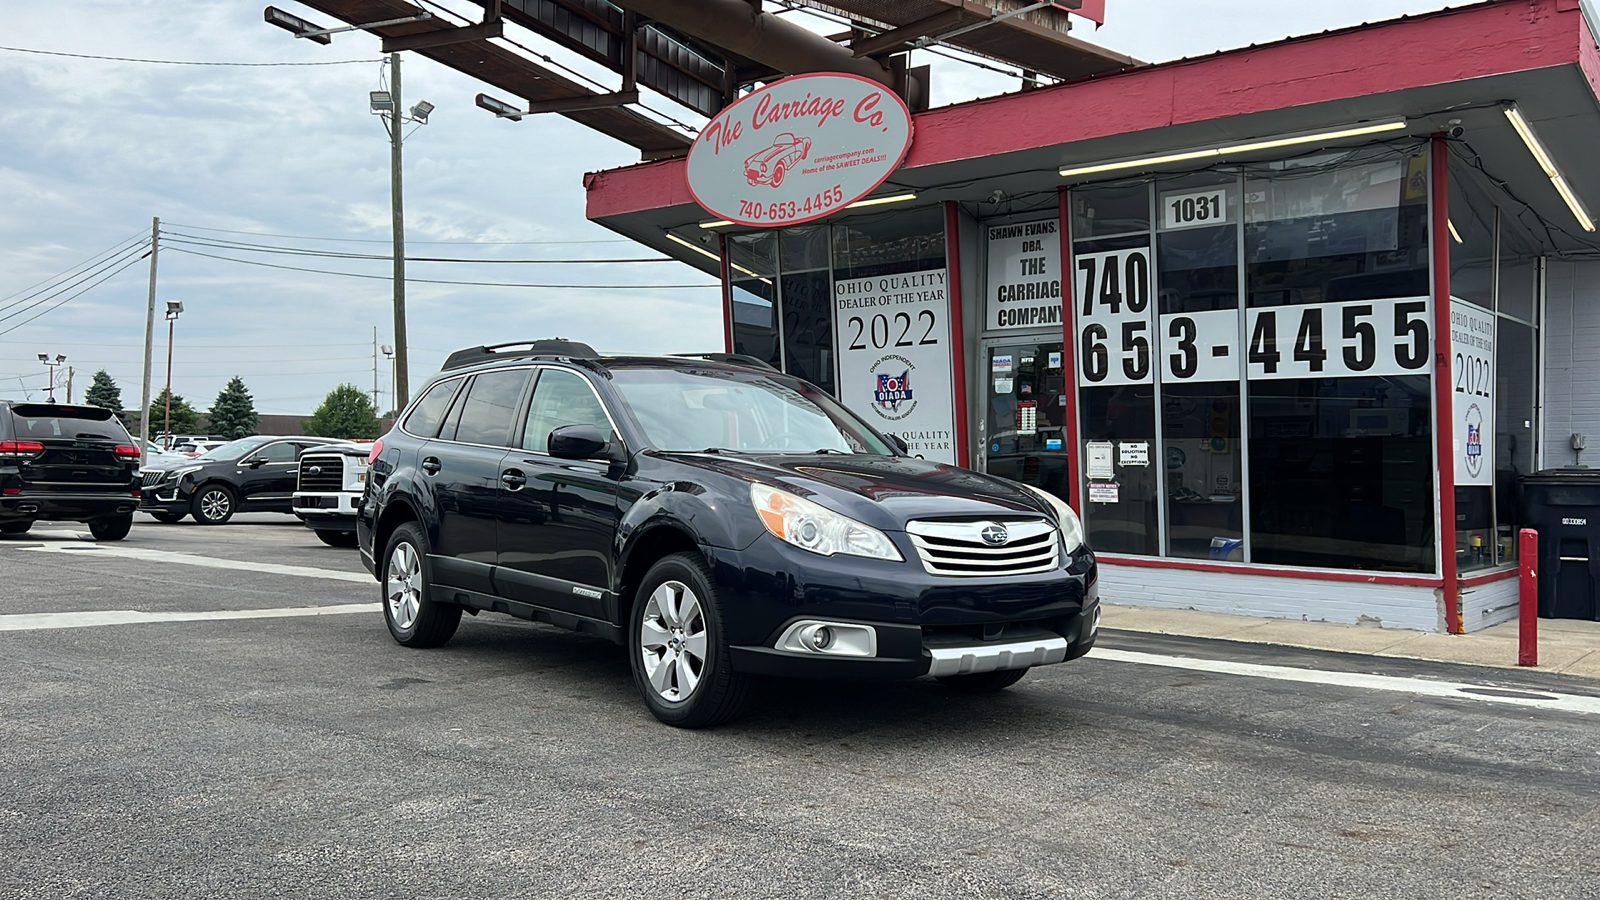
{"x": 562, "y": 398}
{"x": 429, "y": 412}
{"x": 491, "y": 407}
{"x": 282, "y": 451}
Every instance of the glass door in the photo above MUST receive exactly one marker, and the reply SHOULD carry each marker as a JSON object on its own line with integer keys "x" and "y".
{"x": 1025, "y": 412}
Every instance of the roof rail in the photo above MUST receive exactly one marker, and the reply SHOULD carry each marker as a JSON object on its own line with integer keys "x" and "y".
{"x": 737, "y": 359}
{"x": 547, "y": 347}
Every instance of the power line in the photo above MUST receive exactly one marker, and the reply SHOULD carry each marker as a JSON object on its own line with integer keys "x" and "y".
{"x": 138, "y": 237}
{"x": 130, "y": 255}
{"x": 183, "y": 62}
{"x": 616, "y": 287}
{"x": 219, "y": 244}
{"x": 71, "y": 297}
{"x": 306, "y": 237}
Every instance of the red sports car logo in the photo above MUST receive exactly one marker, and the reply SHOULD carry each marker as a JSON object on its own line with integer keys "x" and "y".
{"x": 769, "y": 166}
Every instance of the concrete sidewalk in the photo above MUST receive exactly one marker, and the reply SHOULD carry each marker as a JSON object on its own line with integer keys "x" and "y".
{"x": 1566, "y": 646}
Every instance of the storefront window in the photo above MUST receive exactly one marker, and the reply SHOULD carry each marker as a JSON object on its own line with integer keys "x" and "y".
{"x": 1273, "y": 405}
{"x": 893, "y": 244}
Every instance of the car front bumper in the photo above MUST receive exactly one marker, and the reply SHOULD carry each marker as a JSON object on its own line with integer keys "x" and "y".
{"x": 328, "y": 511}
{"x": 920, "y": 623}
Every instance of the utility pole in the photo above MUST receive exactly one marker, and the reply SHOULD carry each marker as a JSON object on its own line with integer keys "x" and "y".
{"x": 375, "y": 371}
{"x": 149, "y": 344}
{"x": 402, "y": 381}
{"x": 69, "y": 384}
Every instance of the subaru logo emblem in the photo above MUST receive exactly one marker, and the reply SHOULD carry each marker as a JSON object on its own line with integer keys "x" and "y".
{"x": 315, "y": 470}
{"x": 994, "y": 533}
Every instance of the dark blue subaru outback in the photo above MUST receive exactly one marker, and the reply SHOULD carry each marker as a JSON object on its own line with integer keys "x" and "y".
{"x": 717, "y": 518}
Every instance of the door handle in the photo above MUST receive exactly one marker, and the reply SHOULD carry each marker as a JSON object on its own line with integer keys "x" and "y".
{"x": 430, "y": 464}
{"x": 513, "y": 479}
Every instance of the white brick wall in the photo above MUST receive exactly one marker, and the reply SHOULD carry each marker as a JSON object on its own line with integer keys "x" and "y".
{"x": 1572, "y": 360}
{"x": 1265, "y": 596}
{"x": 1489, "y": 604}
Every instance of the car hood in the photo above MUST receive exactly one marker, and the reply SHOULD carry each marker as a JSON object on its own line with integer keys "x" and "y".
{"x": 882, "y": 491}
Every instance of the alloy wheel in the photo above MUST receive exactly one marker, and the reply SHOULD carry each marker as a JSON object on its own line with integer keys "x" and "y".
{"x": 402, "y": 591}
{"x": 672, "y": 641}
{"x": 215, "y": 504}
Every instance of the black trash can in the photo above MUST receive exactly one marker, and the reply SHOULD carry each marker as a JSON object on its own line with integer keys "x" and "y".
{"x": 1563, "y": 505}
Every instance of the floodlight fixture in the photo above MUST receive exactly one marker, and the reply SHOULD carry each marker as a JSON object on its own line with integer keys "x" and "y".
{"x": 420, "y": 111}
{"x": 500, "y": 108}
{"x": 381, "y": 101}
{"x": 174, "y": 307}
{"x": 60, "y": 358}
{"x": 388, "y": 350}
{"x": 300, "y": 27}
{"x": 44, "y": 358}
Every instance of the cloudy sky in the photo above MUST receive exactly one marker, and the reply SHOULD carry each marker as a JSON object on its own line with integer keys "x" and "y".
{"x": 247, "y": 162}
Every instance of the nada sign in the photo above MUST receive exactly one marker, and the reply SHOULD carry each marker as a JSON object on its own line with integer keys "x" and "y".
{"x": 798, "y": 149}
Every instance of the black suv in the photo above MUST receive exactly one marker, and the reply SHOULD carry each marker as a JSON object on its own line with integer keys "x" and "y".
{"x": 66, "y": 463}
{"x": 253, "y": 474}
{"x": 717, "y": 518}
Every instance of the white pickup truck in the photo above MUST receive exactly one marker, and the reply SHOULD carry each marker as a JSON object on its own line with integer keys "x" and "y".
{"x": 328, "y": 490}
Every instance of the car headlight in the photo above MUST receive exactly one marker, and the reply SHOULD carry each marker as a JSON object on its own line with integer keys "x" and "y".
{"x": 816, "y": 528}
{"x": 1071, "y": 527}
{"x": 186, "y": 470}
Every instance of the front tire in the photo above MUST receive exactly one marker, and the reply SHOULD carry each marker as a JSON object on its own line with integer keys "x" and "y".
{"x": 414, "y": 618}
{"x": 336, "y": 538}
{"x": 167, "y": 518}
{"x": 111, "y": 529}
{"x": 678, "y": 649}
{"x": 214, "y": 504}
{"x": 983, "y": 682}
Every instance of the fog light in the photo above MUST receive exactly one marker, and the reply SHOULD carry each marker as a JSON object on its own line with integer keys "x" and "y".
{"x": 829, "y": 638}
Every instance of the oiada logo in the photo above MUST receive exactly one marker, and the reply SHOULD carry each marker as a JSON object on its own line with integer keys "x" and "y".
{"x": 798, "y": 149}
{"x": 891, "y": 396}
{"x": 1474, "y": 444}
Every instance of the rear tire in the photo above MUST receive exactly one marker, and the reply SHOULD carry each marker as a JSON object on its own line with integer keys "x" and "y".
{"x": 337, "y": 538}
{"x": 167, "y": 518}
{"x": 114, "y": 529}
{"x": 677, "y": 646}
{"x": 983, "y": 682}
{"x": 15, "y": 527}
{"x": 213, "y": 504}
{"x": 414, "y": 618}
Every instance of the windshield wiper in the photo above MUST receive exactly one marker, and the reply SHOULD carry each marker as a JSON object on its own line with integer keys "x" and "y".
{"x": 827, "y": 450}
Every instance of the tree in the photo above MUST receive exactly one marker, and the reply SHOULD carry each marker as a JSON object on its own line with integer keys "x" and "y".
{"x": 184, "y": 418}
{"x": 233, "y": 413}
{"x": 345, "y": 413}
{"x": 104, "y": 392}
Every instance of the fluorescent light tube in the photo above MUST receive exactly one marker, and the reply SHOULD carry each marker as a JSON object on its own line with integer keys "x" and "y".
{"x": 886, "y": 198}
{"x": 708, "y": 254}
{"x": 1228, "y": 149}
{"x": 1540, "y": 156}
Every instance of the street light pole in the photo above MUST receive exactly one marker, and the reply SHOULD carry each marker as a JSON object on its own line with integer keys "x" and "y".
{"x": 173, "y": 308}
{"x": 52, "y": 364}
{"x": 388, "y": 353}
{"x": 397, "y": 202}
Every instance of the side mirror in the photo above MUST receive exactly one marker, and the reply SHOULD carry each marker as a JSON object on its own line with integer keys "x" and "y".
{"x": 899, "y": 443}
{"x": 257, "y": 463}
{"x": 577, "y": 442}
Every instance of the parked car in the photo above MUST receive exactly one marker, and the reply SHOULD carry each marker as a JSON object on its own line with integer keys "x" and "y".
{"x": 720, "y": 520}
{"x": 66, "y": 463}
{"x": 328, "y": 491}
{"x": 192, "y": 449}
{"x": 253, "y": 474}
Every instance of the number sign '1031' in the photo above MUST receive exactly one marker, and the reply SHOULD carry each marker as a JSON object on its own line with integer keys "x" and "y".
{"x": 1337, "y": 340}
{"x": 1114, "y": 317}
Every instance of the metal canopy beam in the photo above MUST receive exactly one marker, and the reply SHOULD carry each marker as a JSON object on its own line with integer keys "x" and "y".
{"x": 510, "y": 72}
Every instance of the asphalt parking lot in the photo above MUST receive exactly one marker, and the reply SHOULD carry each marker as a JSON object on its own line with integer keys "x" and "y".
{"x": 219, "y": 712}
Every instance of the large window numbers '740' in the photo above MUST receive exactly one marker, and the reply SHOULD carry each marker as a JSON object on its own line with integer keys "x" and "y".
{"x": 1336, "y": 340}
{"x": 1114, "y": 317}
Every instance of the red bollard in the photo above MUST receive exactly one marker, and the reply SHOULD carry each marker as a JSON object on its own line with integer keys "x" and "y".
{"x": 1528, "y": 611}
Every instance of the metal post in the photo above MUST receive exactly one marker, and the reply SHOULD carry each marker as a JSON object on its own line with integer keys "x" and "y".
{"x": 166, "y": 423}
{"x": 149, "y": 341}
{"x": 401, "y": 384}
{"x": 1528, "y": 598}
{"x": 375, "y": 371}
{"x": 69, "y": 384}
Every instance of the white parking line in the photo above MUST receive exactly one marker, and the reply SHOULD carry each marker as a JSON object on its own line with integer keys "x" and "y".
{"x": 1452, "y": 690}
{"x": 189, "y": 559}
{"x": 44, "y": 621}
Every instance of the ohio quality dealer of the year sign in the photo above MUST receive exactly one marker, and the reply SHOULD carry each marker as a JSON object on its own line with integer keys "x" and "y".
{"x": 798, "y": 149}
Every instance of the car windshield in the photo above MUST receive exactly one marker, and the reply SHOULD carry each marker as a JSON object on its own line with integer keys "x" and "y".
{"x": 234, "y": 449}
{"x": 704, "y": 409}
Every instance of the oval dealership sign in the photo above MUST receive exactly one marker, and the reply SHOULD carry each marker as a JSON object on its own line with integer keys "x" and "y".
{"x": 799, "y": 149}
